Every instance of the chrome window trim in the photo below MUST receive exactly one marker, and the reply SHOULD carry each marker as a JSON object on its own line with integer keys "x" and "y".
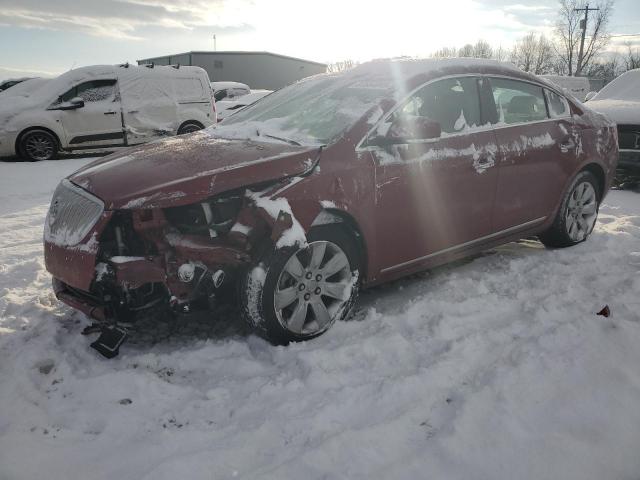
{"x": 482, "y": 128}
{"x": 463, "y": 245}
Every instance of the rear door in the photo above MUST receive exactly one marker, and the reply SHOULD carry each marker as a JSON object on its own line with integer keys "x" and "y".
{"x": 536, "y": 151}
{"x": 436, "y": 195}
{"x": 98, "y": 122}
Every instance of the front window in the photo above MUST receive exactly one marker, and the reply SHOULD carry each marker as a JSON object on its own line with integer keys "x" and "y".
{"x": 518, "y": 102}
{"x": 92, "y": 91}
{"x": 317, "y": 110}
{"x": 454, "y": 103}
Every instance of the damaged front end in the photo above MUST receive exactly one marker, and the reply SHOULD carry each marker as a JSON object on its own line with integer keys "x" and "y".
{"x": 119, "y": 265}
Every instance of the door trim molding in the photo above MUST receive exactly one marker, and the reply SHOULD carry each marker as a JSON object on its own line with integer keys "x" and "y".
{"x": 464, "y": 245}
{"x": 96, "y": 137}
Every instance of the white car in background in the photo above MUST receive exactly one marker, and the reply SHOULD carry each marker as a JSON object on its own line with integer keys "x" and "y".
{"x": 226, "y": 108}
{"x": 620, "y": 101}
{"x": 229, "y": 90}
{"x": 23, "y": 88}
{"x": 104, "y": 106}
{"x": 11, "y": 82}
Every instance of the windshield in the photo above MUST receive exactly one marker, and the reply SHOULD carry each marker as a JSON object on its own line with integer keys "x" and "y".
{"x": 625, "y": 87}
{"x": 313, "y": 111}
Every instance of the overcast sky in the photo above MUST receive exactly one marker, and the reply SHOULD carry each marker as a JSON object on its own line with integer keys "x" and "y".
{"x": 52, "y": 36}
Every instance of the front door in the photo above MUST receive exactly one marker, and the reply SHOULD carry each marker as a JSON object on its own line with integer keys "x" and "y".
{"x": 434, "y": 196}
{"x": 97, "y": 123}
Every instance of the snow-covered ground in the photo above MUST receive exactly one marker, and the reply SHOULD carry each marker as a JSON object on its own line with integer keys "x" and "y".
{"x": 493, "y": 368}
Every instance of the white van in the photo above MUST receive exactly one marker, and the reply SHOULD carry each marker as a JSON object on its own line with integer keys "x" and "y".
{"x": 105, "y": 106}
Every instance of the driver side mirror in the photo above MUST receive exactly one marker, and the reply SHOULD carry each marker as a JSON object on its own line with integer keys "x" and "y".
{"x": 589, "y": 96}
{"x": 73, "y": 104}
{"x": 405, "y": 129}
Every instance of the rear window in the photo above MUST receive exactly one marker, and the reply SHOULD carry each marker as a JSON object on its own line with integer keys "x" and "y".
{"x": 518, "y": 102}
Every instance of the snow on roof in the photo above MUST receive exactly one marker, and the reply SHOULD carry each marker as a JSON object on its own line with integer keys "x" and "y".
{"x": 625, "y": 87}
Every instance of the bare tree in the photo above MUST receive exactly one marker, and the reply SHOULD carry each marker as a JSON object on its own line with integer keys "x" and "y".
{"x": 569, "y": 32}
{"x": 466, "y": 50}
{"x": 340, "y": 66}
{"x": 632, "y": 58}
{"x": 500, "y": 54}
{"x": 482, "y": 49}
{"x": 534, "y": 54}
{"x": 445, "y": 52}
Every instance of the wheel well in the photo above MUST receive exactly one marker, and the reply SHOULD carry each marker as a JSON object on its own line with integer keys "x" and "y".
{"x": 30, "y": 129}
{"x": 187, "y": 122}
{"x": 598, "y": 172}
{"x": 348, "y": 223}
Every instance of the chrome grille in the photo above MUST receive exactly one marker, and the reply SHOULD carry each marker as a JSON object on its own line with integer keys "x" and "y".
{"x": 72, "y": 214}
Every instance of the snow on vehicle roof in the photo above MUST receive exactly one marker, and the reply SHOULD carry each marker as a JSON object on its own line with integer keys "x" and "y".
{"x": 224, "y": 85}
{"x": 625, "y": 87}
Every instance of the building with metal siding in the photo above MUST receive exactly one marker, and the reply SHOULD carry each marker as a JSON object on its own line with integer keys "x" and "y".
{"x": 256, "y": 69}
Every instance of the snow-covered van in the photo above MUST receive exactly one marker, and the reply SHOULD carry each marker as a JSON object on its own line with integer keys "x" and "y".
{"x": 620, "y": 101}
{"x": 105, "y": 106}
{"x": 579, "y": 87}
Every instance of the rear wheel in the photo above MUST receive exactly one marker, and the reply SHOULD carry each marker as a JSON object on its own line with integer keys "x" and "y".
{"x": 577, "y": 215}
{"x": 297, "y": 293}
{"x": 38, "y": 145}
{"x": 189, "y": 127}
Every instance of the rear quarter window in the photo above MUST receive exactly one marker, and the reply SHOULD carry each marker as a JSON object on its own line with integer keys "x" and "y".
{"x": 558, "y": 105}
{"x": 188, "y": 89}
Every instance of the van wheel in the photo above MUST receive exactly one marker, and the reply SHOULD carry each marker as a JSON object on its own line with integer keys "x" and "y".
{"x": 577, "y": 215}
{"x": 298, "y": 293}
{"x": 38, "y": 145}
{"x": 189, "y": 127}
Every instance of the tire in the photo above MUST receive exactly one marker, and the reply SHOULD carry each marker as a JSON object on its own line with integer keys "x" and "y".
{"x": 577, "y": 215}
{"x": 36, "y": 145}
{"x": 189, "y": 127}
{"x": 282, "y": 307}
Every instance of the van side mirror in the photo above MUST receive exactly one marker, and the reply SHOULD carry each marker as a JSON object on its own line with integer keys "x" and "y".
{"x": 73, "y": 104}
{"x": 406, "y": 129}
{"x": 589, "y": 96}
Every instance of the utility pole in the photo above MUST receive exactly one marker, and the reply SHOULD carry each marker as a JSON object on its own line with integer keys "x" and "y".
{"x": 583, "y": 25}
{"x": 214, "y": 43}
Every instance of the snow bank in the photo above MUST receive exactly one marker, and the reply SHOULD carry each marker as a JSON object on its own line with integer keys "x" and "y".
{"x": 493, "y": 368}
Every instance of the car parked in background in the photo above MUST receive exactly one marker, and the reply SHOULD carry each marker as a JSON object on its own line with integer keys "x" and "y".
{"x": 620, "y": 101}
{"x": 336, "y": 182}
{"x": 6, "y": 84}
{"x": 104, "y": 106}
{"x": 226, "y": 108}
{"x": 229, "y": 90}
{"x": 24, "y": 89}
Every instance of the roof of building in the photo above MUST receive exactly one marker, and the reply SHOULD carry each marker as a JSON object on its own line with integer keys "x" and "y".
{"x": 234, "y": 53}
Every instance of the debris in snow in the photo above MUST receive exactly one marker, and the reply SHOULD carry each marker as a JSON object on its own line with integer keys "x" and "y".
{"x": 605, "y": 312}
{"x": 125, "y": 401}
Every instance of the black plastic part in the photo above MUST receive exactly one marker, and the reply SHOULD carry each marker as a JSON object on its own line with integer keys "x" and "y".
{"x": 109, "y": 341}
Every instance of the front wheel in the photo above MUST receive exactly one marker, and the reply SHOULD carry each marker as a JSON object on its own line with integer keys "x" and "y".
{"x": 38, "y": 145}
{"x": 189, "y": 127}
{"x": 577, "y": 215}
{"x": 298, "y": 293}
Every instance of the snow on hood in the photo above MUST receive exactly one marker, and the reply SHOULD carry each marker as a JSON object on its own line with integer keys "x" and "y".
{"x": 187, "y": 169}
{"x": 620, "y": 99}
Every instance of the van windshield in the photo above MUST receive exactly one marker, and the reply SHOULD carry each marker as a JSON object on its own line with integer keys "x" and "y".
{"x": 313, "y": 111}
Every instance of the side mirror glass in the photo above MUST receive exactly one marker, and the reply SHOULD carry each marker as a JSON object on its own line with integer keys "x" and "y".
{"x": 589, "y": 96}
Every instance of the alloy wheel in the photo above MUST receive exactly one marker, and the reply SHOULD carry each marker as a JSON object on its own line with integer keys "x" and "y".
{"x": 313, "y": 288}
{"x": 39, "y": 146}
{"x": 582, "y": 211}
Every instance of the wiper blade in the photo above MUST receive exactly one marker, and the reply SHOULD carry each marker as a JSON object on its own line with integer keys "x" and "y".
{"x": 282, "y": 139}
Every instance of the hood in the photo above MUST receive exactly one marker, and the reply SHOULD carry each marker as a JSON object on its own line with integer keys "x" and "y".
{"x": 187, "y": 169}
{"x": 623, "y": 112}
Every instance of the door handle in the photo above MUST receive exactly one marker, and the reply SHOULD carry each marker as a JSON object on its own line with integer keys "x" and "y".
{"x": 109, "y": 113}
